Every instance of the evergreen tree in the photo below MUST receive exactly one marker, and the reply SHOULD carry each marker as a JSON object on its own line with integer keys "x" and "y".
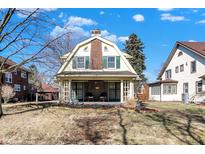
{"x": 134, "y": 47}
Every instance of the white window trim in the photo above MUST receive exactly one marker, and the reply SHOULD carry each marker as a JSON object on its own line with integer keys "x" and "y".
{"x": 77, "y": 62}
{"x": 166, "y": 93}
{"x": 10, "y": 77}
{"x": 114, "y": 62}
{"x": 197, "y": 92}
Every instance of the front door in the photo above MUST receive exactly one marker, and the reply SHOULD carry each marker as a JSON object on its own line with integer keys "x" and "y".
{"x": 186, "y": 88}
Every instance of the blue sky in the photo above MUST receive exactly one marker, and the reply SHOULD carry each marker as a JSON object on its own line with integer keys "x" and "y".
{"x": 159, "y": 29}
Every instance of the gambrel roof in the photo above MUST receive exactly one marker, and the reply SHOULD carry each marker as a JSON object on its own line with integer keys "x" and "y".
{"x": 67, "y": 57}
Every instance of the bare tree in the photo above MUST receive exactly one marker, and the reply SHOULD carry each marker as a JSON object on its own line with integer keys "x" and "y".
{"x": 23, "y": 37}
{"x": 7, "y": 93}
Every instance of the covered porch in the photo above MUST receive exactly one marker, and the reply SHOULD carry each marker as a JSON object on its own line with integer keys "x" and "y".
{"x": 97, "y": 91}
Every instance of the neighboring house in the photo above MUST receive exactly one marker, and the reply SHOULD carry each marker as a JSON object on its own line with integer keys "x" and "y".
{"x": 17, "y": 79}
{"x": 96, "y": 70}
{"x": 182, "y": 73}
{"x": 48, "y": 92}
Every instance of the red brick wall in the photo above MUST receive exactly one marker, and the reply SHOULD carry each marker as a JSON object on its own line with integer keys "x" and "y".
{"x": 17, "y": 79}
{"x": 96, "y": 54}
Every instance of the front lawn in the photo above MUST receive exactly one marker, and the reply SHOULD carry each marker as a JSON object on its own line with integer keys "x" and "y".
{"x": 31, "y": 124}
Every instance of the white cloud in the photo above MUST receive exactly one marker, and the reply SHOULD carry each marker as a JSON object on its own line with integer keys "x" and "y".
{"x": 123, "y": 38}
{"x": 109, "y": 36}
{"x": 79, "y": 21}
{"x": 76, "y": 32}
{"x": 165, "y": 9}
{"x": 61, "y": 15}
{"x": 102, "y": 12}
{"x": 191, "y": 41}
{"x": 201, "y": 22}
{"x": 172, "y": 18}
{"x": 138, "y": 18}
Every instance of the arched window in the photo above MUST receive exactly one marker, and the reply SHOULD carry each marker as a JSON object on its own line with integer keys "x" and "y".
{"x": 180, "y": 53}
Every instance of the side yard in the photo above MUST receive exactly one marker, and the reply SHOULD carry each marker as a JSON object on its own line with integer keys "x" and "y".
{"x": 36, "y": 124}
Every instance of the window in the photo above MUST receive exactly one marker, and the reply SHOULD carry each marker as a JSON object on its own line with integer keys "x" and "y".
{"x": 86, "y": 49}
{"x": 24, "y": 87}
{"x": 105, "y": 49}
{"x": 193, "y": 66}
{"x": 198, "y": 86}
{"x": 8, "y": 77}
{"x": 17, "y": 87}
{"x": 155, "y": 90}
{"x": 80, "y": 62}
{"x": 185, "y": 87}
{"x": 111, "y": 62}
{"x": 168, "y": 74}
{"x": 16, "y": 72}
{"x": 177, "y": 69}
{"x": 23, "y": 75}
{"x": 180, "y": 54}
{"x": 182, "y": 68}
{"x": 170, "y": 89}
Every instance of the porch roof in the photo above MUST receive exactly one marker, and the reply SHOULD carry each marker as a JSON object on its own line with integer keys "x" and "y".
{"x": 162, "y": 81}
{"x": 98, "y": 73}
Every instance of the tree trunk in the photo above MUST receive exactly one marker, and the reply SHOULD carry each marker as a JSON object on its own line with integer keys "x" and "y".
{"x": 1, "y": 110}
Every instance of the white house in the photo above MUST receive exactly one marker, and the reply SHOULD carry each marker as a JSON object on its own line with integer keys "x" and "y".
{"x": 96, "y": 71}
{"x": 182, "y": 73}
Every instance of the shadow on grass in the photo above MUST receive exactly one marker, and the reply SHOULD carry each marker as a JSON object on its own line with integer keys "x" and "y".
{"x": 28, "y": 108}
{"x": 124, "y": 130}
{"x": 174, "y": 126}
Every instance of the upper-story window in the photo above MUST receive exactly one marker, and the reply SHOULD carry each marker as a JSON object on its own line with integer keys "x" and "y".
{"x": 8, "y": 77}
{"x": 193, "y": 66}
{"x": 17, "y": 87}
{"x": 182, "y": 68}
{"x": 168, "y": 74}
{"x": 86, "y": 49}
{"x": 80, "y": 62}
{"x": 23, "y": 75}
{"x": 111, "y": 62}
{"x": 180, "y": 53}
{"x": 177, "y": 69}
{"x": 105, "y": 49}
{"x": 15, "y": 72}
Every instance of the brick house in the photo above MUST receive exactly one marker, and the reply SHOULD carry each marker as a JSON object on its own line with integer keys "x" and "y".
{"x": 18, "y": 79}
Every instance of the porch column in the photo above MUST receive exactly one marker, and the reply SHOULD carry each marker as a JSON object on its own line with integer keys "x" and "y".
{"x": 69, "y": 90}
{"x": 61, "y": 91}
{"x": 131, "y": 90}
{"x": 121, "y": 91}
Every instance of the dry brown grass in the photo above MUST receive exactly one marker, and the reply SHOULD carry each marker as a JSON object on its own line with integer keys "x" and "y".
{"x": 31, "y": 124}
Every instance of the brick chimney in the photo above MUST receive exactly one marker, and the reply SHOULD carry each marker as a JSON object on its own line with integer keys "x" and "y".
{"x": 96, "y": 32}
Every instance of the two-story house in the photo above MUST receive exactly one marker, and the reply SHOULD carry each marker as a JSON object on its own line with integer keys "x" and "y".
{"x": 96, "y": 71}
{"x": 182, "y": 73}
{"x": 17, "y": 79}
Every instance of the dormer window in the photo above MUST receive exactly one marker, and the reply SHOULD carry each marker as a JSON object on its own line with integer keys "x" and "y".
{"x": 180, "y": 54}
{"x": 105, "y": 49}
